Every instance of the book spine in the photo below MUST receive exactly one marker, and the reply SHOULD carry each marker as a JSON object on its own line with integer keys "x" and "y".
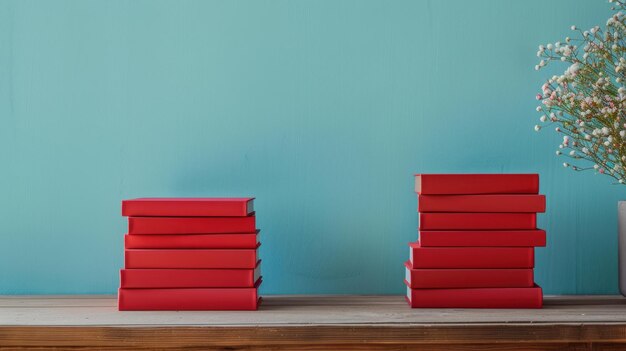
{"x": 483, "y": 238}
{"x": 189, "y": 278}
{"x": 182, "y": 208}
{"x": 192, "y": 259}
{"x": 472, "y": 257}
{"x": 477, "y": 221}
{"x": 197, "y": 299}
{"x": 191, "y": 225}
{"x": 193, "y": 241}
{"x": 482, "y": 203}
{"x": 476, "y": 298}
{"x": 440, "y": 184}
{"x": 468, "y": 278}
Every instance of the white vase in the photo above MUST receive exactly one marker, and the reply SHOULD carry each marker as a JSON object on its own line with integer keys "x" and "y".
{"x": 621, "y": 244}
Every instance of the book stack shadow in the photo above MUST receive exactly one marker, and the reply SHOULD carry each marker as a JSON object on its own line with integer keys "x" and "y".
{"x": 477, "y": 234}
{"x": 190, "y": 254}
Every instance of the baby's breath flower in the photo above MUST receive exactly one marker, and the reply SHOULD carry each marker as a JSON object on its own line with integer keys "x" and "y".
{"x": 587, "y": 101}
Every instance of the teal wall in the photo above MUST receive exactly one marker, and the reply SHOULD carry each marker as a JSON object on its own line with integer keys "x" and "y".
{"x": 323, "y": 110}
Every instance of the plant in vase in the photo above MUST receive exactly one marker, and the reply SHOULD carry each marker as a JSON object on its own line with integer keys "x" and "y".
{"x": 587, "y": 104}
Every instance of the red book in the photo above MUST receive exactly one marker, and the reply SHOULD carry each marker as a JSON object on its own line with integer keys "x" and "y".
{"x": 192, "y": 241}
{"x": 193, "y": 259}
{"x": 194, "y": 299}
{"x": 191, "y": 225}
{"x": 467, "y": 278}
{"x": 481, "y": 203}
{"x": 482, "y": 238}
{"x": 188, "y": 207}
{"x": 475, "y": 298}
{"x": 439, "y": 184}
{"x": 189, "y": 278}
{"x": 477, "y": 221}
{"x": 471, "y": 257}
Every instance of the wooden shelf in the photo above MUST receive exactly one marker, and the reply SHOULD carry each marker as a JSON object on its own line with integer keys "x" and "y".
{"x": 314, "y": 323}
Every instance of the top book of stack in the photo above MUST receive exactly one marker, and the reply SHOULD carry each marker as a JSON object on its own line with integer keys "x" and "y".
{"x": 476, "y": 184}
{"x": 188, "y": 207}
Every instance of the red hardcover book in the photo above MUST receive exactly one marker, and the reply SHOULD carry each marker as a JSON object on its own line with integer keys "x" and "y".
{"x": 477, "y": 221}
{"x": 193, "y": 259}
{"x": 482, "y": 238}
{"x": 192, "y": 241}
{"x": 471, "y": 257}
{"x": 191, "y": 225}
{"x": 189, "y": 299}
{"x": 189, "y": 278}
{"x": 439, "y": 184}
{"x": 467, "y": 278}
{"x": 475, "y": 298}
{"x": 482, "y": 203}
{"x": 188, "y": 207}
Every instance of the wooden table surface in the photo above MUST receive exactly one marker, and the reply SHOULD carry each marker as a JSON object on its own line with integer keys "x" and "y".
{"x": 314, "y": 323}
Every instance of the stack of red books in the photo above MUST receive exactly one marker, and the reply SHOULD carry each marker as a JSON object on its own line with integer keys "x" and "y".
{"x": 190, "y": 254}
{"x": 477, "y": 234}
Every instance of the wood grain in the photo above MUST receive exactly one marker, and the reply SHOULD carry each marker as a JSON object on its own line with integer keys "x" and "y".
{"x": 314, "y": 323}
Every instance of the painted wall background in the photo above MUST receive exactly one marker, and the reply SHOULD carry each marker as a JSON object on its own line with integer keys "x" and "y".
{"x": 323, "y": 110}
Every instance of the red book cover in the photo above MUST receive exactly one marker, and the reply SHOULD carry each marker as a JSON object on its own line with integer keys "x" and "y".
{"x": 476, "y": 298}
{"x": 189, "y": 278}
{"x": 192, "y": 241}
{"x": 471, "y": 257}
{"x": 455, "y": 184}
{"x": 188, "y": 207}
{"x": 191, "y": 225}
{"x": 467, "y": 278}
{"x": 193, "y": 299}
{"x": 482, "y": 203}
{"x": 192, "y": 259}
{"x": 482, "y": 238}
{"x": 477, "y": 221}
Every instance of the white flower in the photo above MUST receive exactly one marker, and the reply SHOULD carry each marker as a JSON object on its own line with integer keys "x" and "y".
{"x": 596, "y": 166}
{"x": 550, "y": 46}
{"x": 537, "y": 128}
{"x": 572, "y": 153}
{"x": 605, "y": 130}
{"x": 567, "y": 51}
{"x": 573, "y": 27}
{"x": 622, "y": 133}
{"x": 565, "y": 164}
{"x": 542, "y": 63}
{"x": 585, "y": 150}
{"x": 543, "y": 118}
{"x": 538, "y": 109}
{"x": 537, "y": 67}
{"x": 558, "y": 153}
{"x": 593, "y": 30}
{"x": 563, "y": 58}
